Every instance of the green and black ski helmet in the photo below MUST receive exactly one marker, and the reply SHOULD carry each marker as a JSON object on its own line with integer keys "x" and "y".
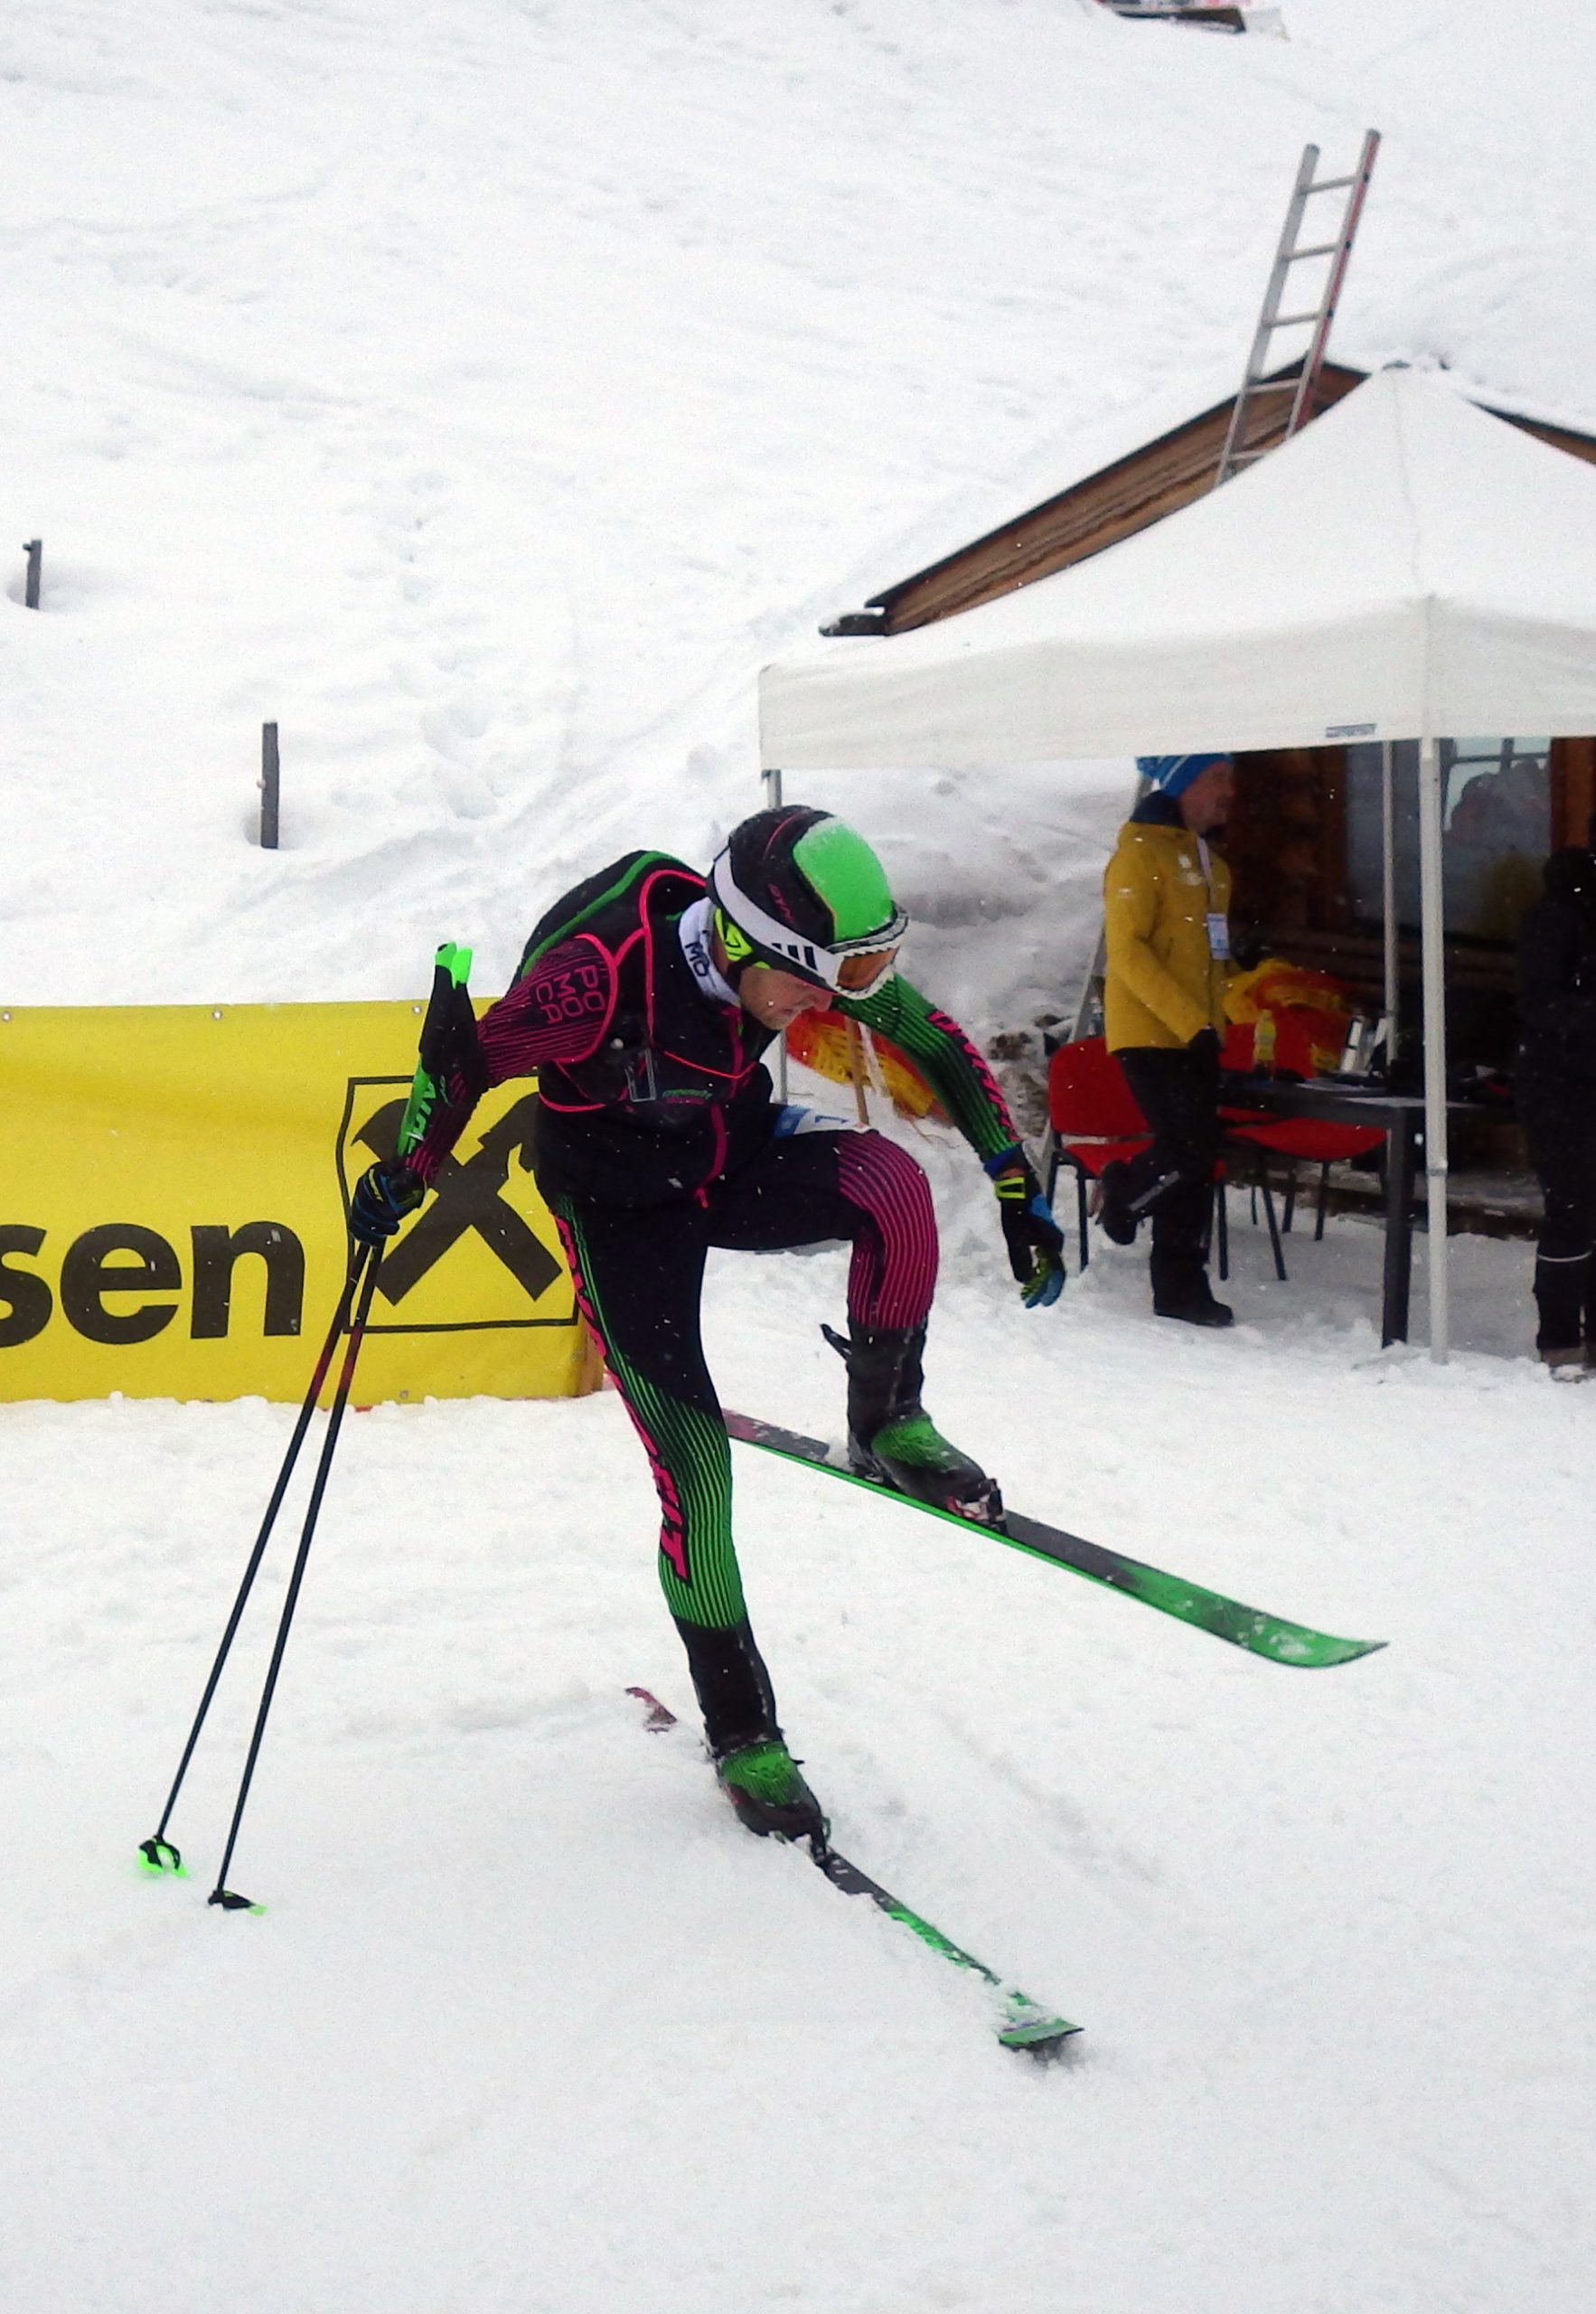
{"x": 798, "y": 890}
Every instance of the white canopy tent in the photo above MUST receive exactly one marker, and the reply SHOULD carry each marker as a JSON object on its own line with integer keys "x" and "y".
{"x": 1406, "y": 567}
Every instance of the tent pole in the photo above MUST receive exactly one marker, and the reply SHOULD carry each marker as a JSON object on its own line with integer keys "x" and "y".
{"x": 1388, "y": 888}
{"x": 1434, "y": 970}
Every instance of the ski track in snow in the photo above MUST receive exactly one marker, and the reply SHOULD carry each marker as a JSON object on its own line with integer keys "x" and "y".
{"x": 484, "y": 399}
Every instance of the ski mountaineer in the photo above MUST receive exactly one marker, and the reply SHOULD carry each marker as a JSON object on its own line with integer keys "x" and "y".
{"x": 644, "y": 1000}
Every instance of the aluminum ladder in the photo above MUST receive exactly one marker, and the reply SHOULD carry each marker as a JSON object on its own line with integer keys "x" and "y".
{"x": 1294, "y": 251}
{"x": 1256, "y": 382}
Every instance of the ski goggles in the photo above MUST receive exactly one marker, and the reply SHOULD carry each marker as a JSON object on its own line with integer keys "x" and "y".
{"x": 849, "y": 967}
{"x": 860, "y": 969}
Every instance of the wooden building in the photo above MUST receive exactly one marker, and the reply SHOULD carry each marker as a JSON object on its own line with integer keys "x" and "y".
{"x": 1305, "y": 846}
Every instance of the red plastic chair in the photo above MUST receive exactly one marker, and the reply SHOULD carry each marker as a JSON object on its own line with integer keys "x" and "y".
{"x": 1311, "y": 1140}
{"x": 1092, "y": 1117}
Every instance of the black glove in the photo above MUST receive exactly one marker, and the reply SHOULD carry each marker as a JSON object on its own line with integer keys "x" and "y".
{"x": 1206, "y": 1045}
{"x": 1034, "y": 1239}
{"x": 383, "y": 1197}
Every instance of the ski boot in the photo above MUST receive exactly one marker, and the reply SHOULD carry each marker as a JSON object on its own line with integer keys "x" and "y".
{"x": 763, "y": 1783}
{"x": 892, "y": 1439}
{"x": 754, "y": 1768}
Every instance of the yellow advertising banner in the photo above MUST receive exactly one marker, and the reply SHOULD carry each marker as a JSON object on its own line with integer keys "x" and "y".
{"x": 171, "y": 1212}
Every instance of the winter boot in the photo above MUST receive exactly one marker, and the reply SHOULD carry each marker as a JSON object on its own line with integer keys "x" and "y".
{"x": 892, "y": 1438}
{"x": 1563, "y": 1289}
{"x": 1180, "y": 1287}
{"x": 1201, "y": 1309}
{"x": 762, "y": 1784}
{"x": 1119, "y": 1212}
{"x": 1115, "y": 1217}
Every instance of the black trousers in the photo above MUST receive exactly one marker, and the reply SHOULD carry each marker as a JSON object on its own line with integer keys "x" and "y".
{"x": 1178, "y": 1091}
{"x": 1558, "y": 1115}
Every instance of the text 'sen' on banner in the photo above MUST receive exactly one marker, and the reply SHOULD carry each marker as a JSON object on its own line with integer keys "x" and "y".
{"x": 173, "y": 1212}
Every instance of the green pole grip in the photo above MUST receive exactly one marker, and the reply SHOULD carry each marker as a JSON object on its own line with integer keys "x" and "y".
{"x": 451, "y": 973}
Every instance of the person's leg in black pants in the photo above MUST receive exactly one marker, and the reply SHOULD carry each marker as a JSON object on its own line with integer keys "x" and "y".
{"x": 1558, "y": 1119}
{"x": 1178, "y": 1091}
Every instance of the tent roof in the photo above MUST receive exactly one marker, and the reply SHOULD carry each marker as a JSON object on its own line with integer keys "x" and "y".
{"x": 1407, "y": 564}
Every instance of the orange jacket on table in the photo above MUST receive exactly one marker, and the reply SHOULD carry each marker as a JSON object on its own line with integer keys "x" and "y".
{"x": 1161, "y": 985}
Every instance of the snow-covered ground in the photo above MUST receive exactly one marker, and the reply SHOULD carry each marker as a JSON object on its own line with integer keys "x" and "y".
{"x": 528, "y": 2024}
{"x": 481, "y": 392}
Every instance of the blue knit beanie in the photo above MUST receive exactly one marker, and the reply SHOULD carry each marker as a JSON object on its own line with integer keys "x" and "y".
{"x": 1173, "y": 774}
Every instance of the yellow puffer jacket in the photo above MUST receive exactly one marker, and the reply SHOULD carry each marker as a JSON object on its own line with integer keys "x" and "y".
{"x": 1161, "y": 984}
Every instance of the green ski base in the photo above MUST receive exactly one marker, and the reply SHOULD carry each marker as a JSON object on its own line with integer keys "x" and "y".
{"x": 1025, "y": 2024}
{"x": 1270, "y": 1636}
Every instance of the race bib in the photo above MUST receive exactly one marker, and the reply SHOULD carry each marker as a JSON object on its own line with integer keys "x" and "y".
{"x": 792, "y": 1120}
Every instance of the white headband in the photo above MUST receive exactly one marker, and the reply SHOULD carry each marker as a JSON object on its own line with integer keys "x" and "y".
{"x": 823, "y": 964}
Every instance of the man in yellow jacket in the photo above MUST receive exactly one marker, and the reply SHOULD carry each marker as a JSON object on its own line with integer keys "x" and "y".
{"x": 1166, "y": 901}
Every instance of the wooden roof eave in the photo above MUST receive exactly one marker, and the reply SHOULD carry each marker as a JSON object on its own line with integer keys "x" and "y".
{"x": 1115, "y": 502}
{"x": 1093, "y": 514}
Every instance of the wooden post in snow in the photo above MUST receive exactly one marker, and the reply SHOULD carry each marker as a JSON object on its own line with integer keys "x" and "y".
{"x": 268, "y": 786}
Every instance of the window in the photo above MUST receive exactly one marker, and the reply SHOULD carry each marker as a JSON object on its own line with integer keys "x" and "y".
{"x": 1496, "y": 817}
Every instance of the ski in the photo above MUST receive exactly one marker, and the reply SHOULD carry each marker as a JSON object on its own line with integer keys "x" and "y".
{"x": 1270, "y": 1636}
{"x": 1024, "y": 2023}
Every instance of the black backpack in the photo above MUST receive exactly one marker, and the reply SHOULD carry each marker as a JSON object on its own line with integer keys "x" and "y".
{"x": 617, "y": 885}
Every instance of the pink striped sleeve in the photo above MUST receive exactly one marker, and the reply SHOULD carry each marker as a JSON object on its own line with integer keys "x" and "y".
{"x": 557, "y": 1012}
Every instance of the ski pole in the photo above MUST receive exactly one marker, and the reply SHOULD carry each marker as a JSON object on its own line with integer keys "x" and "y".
{"x": 372, "y": 1255}
{"x": 447, "y": 1037}
{"x": 159, "y": 1853}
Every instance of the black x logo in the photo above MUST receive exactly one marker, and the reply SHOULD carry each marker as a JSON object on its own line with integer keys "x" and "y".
{"x": 467, "y": 1198}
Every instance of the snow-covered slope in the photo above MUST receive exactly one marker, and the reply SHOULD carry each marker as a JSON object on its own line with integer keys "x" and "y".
{"x": 482, "y": 391}
{"x": 483, "y": 401}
